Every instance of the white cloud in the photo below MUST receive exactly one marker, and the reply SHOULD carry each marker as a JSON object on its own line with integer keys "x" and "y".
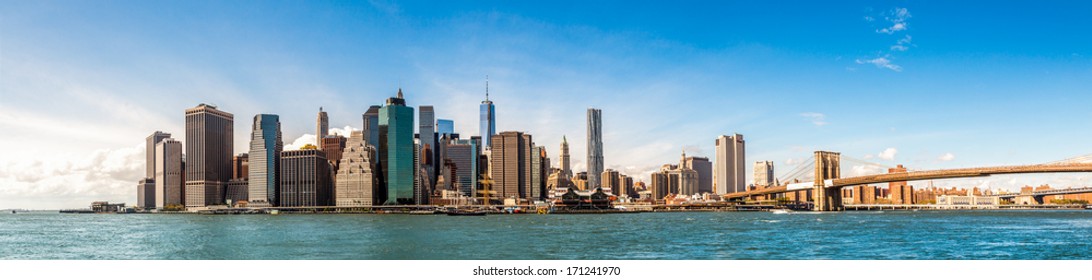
{"x": 105, "y": 174}
{"x": 898, "y": 18}
{"x": 888, "y": 154}
{"x": 346, "y": 131}
{"x": 818, "y": 119}
{"x": 862, "y": 170}
{"x": 946, "y": 157}
{"x": 881, "y": 62}
{"x": 903, "y": 44}
{"x": 900, "y": 48}
{"x": 300, "y": 141}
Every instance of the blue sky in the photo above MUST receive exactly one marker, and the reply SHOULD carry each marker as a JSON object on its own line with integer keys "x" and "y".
{"x": 934, "y": 84}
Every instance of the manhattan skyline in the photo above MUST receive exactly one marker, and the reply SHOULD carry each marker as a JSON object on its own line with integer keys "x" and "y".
{"x": 926, "y": 85}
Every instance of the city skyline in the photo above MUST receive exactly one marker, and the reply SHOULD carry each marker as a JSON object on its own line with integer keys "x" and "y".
{"x": 911, "y": 95}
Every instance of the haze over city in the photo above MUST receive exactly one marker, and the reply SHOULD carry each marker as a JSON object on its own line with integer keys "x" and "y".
{"x": 926, "y": 85}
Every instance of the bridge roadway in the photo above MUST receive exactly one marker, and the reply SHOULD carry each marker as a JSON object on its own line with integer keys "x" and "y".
{"x": 926, "y": 175}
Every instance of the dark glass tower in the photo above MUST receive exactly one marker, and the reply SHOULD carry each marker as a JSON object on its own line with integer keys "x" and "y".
{"x": 396, "y": 150}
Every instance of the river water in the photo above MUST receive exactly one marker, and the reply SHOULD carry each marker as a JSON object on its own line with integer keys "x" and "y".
{"x": 1002, "y": 234}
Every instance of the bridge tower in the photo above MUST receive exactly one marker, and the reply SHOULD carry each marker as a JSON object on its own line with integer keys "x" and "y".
{"x": 827, "y": 166}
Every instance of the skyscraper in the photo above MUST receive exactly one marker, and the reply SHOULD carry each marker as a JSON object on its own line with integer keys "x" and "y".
{"x": 333, "y": 145}
{"x": 488, "y": 119}
{"x": 445, "y": 127}
{"x": 396, "y": 151}
{"x": 764, "y": 174}
{"x": 464, "y": 155}
{"x": 149, "y": 155}
{"x": 510, "y": 165}
{"x": 355, "y": 180}
{"x": 169, "y": 188}
{"x": 704, "y": 168}
{"x": 566, "y": 172}
{"x": 427, "y": 134}
{"x": 265, "y": 157}
{"x": 595, "y": 147}
{"x": 209, "y": 148}
{"x": 730, "y": 164}
{"x": 536, "y": 190}
{"x": 322, "y": 127}
{"x": 305, "y": 179}
{"x": 240, "y": 165}
{"x": 371, "y": 126}
{"x": 146, "y": 193}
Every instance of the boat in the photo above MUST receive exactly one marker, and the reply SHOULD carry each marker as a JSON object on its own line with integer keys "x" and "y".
{"x": 460, "y": 212}
{"x": 779, "y": 211}
{"x": 13, "y": 211}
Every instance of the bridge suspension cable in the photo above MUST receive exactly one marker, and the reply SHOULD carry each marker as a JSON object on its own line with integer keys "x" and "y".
{"x": 1080, "y": 159}
{"x": 801, "y": 171}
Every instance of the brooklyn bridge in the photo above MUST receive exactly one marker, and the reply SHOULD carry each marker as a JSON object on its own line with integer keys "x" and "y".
{"x": 826, "y": 182}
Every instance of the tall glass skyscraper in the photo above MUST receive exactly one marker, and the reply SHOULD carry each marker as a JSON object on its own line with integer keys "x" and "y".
{"x": 595, "y": 147}
{"x": 488, "y": 119}
{"x": 264, "y": 159}
{"x": 445, "y": 127}
{"x": 371, "y": 126}
{"x": 396, "y": 150}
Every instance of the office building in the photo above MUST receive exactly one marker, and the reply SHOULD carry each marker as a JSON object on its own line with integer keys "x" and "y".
{"x": 611, "y": 182}
{"x": 240, "y": 166}
{"x": 371, "y": 126}
{"x": 266, "y": 146}
{"x": 537, "y": 187}
{"x": 149, "y": 154}
{"x": 355, "y": 181}
{"x": 463, "y": 154}
{"x": 488, "y": 125}
{"x": 764, "y": 174}
{"x": 595, "y": 146}
{"x": 429, "y": 150}
{"x": 730, "y": 164}
{"x": 704, "y": 168}
{"x": 209, "y": 149}
{"x": 322, "y": 127}
{"x": 236, "y": 190}
{"x": 304, "y": 179}
{"x": 566, "y": 171}
{"x": 146, "y": 193}
{"x": 510, "y": 164}
{"x": 169, "y": 172}
{"x": 333, "y": 146}
{"x": 445, "y": 127}
{"x": 396, "y": 151}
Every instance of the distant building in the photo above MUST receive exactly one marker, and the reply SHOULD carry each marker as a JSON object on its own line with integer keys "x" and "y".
{"x": 511, "y": 164}
{"x": 595, "y": 146}
{"x": 209, "y": 149}
{"x": 464, "y": 154}
{"x": 397, "y": 152}
{"x": 537, "y": 188}
{"x": 240, "y": 166}
{"x": 730, "y": 163}
{"x": 566, "y": 171}
{"x": 146, "y": 193}
{"x": 149, "y": 154}
{"x": 169, "y": 173}
{"x": 764, "y": 174}
{"x": 371, "y": 126}
{"x": 445, "y": 127}
{"x": 611, "y": 182}
{"x": 304, "y": 179}
{"x": 333, "y": 145}
{"x": 355, "y": 181}
{"x": 901, "y": 193}
{"x": 266, "y": 146}
{"x": 704, "y": 168}
{"x": 322, "y": 127}
{"x": 429, "y": 150}
{"x": 675, "y": 179}
{"x": 488, "y": 125}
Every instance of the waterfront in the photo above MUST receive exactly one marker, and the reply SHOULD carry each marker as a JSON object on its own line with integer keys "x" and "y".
{"x": 999, "y": 234}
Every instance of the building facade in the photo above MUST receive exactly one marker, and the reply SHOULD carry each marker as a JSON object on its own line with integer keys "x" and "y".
{"x": 266, "y": 146}
{"x": 149, "y": 155}
{"x": 730, "y": 164}
{"x": 463, "y": 154}
{"x": 488, "y": 125}
{"x": 169, "y": 174}
{"x": 322, "y": 126}
{"x": 209, "y": 149}
{"x": 240, "y": 166}
{"x": 764, "y": 174}
{"x": 355, "y": 181}
{"x": 146, "y": 193}
{"x": 704, "y": 168}
{"x": 304, "y": 179}
{"x": 595, "y": 147}
{"x": 396, "y": 151}
{"x": 510, "y": 164}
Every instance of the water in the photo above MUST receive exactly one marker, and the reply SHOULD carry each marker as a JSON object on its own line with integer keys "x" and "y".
{"x": 760, "y": 235}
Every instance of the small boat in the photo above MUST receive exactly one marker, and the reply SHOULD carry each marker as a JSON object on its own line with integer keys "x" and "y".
{"x": 779, "y": 211}
{"x": 13, "y": 211}
{"x": 465, "y": 213}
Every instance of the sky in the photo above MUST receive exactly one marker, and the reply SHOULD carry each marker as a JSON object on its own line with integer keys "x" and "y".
{"x": 926, "y": 84}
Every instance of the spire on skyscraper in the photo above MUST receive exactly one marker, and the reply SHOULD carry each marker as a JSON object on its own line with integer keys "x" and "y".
{"x": 400, "y": 93}
{"x": 486, "y": 87}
